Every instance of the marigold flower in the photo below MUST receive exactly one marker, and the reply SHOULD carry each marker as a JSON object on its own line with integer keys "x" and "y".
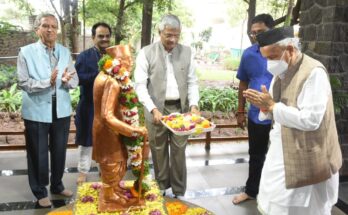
{"x": 108, "y": 64}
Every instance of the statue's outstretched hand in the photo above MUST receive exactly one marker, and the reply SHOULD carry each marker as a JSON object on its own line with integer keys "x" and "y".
{"x": 140, "y": 131}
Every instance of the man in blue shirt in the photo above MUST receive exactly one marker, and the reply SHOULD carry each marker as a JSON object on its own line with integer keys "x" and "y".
{"x": 253, "y": 73}
{"x": 87, "y": 70}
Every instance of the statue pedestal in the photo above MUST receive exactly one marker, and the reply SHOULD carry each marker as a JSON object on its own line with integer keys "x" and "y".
{"x": 87, "y": 200}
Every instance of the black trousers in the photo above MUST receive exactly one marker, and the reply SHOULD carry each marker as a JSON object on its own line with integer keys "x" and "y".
{"x": 40, "y": 138}
{"x": 258, "y": 146}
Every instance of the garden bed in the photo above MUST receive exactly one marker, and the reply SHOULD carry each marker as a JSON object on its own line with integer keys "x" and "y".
{"x": 13, "y": 122}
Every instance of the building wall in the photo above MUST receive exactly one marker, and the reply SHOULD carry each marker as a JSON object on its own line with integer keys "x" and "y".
{"x": 324, "y": 36}
{"x": 11, "y": 42}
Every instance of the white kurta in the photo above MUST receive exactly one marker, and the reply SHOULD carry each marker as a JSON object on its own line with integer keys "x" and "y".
{"x": 274, "y": 198}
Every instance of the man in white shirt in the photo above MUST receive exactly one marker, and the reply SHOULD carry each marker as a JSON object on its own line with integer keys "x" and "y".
{"x": 300, "y": 174}
{"x": 165, "y": 82}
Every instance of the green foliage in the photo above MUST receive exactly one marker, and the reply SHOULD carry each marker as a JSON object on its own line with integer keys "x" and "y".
{"x": 340, "y": 98}
{"x": 237, "y": 9}
{"x": 204, "y": 36}
{"x": 231, "y": 63}
{"x": 75, "y": 97}
{"x": 107, "y": 11}
{"x": 218, "y": 99}
{"x": 8, "y": 76}
{"x": 6, "y": 27}
{"x": 25, "y": 6}
{"x": 10, "y": 99}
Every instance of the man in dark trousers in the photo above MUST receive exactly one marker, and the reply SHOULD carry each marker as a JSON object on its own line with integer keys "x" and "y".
{"x": 87, "y": 70}
{"x": 45, "y": 75}
{"x": 253, "y": 73}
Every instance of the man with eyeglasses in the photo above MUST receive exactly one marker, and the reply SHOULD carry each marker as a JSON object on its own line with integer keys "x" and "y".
{"x": 87, "y": 70}
{"x": 165, "y": 82}
{"x": 252, "y": 73}
{"x": 45, "y": 75}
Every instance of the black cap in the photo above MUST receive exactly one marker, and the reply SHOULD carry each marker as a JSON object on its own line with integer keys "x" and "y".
{"x": 274, "y": 35}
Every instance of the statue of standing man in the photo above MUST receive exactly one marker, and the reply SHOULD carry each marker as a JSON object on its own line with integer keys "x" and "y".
{"x": 109, "y": 126}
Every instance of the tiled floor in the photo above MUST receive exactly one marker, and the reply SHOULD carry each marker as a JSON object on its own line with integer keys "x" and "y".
{"x": 213, "y": 179}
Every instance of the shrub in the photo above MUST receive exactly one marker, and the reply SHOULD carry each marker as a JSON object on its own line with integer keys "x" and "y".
{"x": 75, "y": 97}
{"x": 8, "y": 76}
{"x": 231, "y": 63}
{"x": 218, "y": 99}
{"x": 10, "y": 99}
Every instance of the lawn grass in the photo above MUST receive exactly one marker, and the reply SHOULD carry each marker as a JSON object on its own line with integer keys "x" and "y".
{"x": 216, "y": 75}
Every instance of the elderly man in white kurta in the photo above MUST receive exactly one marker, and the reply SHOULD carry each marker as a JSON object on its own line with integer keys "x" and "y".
{"x": 300, "y": 174}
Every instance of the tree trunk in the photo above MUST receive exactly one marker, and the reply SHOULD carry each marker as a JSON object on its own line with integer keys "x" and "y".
{"x": 74, "y": 27}
{"x": 61, "y": 22}
{"x": 67, "y": 22}
{"x": 146, "y": 23}
{"x": 289, "y": 13}
{"x": 119, "y": 24}
{"x": 251, "y": 15}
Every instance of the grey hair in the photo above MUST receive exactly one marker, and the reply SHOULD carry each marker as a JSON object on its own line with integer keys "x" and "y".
{"x": 290, "y": 41}
{"x": 37, "y": 22}
{"x": 169, "y": 20}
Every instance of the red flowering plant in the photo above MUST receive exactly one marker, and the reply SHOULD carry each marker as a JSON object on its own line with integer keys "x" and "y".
{"x": 129, "y": 105}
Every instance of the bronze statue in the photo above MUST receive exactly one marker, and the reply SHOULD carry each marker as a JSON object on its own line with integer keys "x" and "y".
{"x": 110, "y": 126}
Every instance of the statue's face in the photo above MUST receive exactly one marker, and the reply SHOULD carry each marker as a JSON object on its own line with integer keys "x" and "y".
{"x": 123, "y": 53}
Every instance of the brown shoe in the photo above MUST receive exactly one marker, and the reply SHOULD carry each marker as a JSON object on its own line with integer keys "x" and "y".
{"x": 66, "y": 193}
{"x": 45, "y": 202}
{"x": 242, "y": 197}
{"x": 82, "y": 178}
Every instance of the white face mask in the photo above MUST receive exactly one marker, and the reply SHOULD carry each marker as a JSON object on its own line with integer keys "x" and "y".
{"x": 277, "y": 67}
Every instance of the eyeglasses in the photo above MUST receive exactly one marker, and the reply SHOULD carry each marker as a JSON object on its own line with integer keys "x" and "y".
{"x": 255, "y": 33}
{"x": 169, "y": 36}
{"x": 101, "y": 36}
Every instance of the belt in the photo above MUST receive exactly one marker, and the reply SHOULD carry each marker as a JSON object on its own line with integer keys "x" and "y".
{"x": 172, "y": 102}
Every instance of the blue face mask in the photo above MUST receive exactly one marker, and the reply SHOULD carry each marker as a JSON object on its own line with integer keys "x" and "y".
{"x": 277, "y": 67}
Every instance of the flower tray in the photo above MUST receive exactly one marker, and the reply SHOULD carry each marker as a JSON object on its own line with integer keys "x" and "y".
{"x": 187, "y": 124}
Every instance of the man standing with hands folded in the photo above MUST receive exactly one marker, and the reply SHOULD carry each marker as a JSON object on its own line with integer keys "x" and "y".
{"x": 300, "y": 174}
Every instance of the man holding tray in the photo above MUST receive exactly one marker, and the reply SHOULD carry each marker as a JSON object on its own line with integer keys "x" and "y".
{"x": 165, "y": 82}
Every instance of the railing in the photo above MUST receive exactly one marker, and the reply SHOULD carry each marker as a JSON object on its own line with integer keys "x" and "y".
{"x": 208, "y": 138}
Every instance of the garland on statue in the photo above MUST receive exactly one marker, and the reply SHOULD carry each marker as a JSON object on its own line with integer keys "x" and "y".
{"x": 129, "y": 108}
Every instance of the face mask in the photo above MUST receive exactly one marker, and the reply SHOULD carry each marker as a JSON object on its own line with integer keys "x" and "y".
{"x": 277, "y": 67}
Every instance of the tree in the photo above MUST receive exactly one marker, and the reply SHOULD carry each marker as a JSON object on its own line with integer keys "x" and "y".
{"x": 120, "y": 19}
{"x": 127, "y": 25}
{"x": 204, "y": 37}
{"x": 74, "y": 26}
{"x": 25, "y": 6}
{"x": 276, "y": 8}
{"x": 251, "y": 14}
{"x": 68, "y": 20}
{"x": 146, "y": 23}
